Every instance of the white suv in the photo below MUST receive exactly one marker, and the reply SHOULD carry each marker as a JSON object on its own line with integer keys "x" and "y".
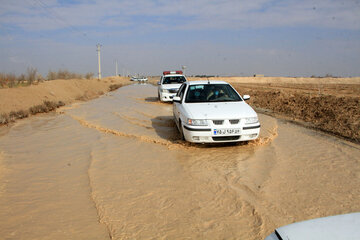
{"x": 212, "y": 111}
{"x": 169, "y": 84}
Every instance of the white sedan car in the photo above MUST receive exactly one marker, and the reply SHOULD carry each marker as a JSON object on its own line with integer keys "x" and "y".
{"x": 339, "y": 227}
{"x": 212, "y": 111}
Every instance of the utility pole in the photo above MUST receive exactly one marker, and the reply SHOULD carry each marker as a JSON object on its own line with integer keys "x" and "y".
{"x": 183, "y": 68}
{"x": 116, "y": 68}
{"x": 98, "y": 51}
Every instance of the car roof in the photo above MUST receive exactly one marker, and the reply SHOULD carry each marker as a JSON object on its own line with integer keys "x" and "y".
{"x": 207, "y": 82}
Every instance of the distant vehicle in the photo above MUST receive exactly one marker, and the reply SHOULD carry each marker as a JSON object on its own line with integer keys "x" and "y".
{"x": 138, "y": 79}
{"x": 212, "y": 111}
{"x": 142, "y": 79}
{"x": 339, "y": 227}
{"x": 169, "y": 84}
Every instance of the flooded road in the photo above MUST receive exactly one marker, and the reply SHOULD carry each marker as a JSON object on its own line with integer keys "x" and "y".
{"x": 115, "y": 168}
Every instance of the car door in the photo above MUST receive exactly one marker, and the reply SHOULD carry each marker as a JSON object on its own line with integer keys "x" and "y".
{"x": 159, "y": 85}
{"x": 177, "y": 106}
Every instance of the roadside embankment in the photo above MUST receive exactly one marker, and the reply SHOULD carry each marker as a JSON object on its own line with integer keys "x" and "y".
{"x": 21, "y": 102}
{"x": 332, "y": 106}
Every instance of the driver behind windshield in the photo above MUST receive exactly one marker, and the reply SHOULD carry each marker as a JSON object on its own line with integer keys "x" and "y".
{"x": 173, "y": 80}
{"x": 211, "y": 93}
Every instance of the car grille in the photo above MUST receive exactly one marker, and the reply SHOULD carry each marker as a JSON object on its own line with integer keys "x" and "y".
{"x": 234, "y": 121}
{"x": 173, "y": 90}
{"x": 218, "y": 122}
{"x": 227, "y": 138}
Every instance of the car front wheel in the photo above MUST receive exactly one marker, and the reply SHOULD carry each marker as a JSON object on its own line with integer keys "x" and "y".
{"x": 181, "y": 131}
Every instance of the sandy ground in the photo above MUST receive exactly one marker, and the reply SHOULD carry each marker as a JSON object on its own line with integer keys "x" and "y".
{"x": 115, "y": 168}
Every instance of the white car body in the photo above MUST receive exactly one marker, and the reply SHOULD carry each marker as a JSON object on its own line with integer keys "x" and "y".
{"x": 166, "y": 91}
{"x": 228, "y": 119}
{"x": 339, "y": 227}
{"x": 139, "y": 79}
{"x": 142, "y": 79}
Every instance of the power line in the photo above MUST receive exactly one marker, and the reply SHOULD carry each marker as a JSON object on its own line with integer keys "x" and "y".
{"x": 52, "y": 14}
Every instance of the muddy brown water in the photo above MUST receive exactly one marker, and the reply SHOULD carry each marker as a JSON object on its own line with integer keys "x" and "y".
{"x": 114, "y": 168}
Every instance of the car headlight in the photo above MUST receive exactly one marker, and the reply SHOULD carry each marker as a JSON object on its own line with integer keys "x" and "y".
{"x": 164, "y": 90}
{"x": 197, "y": 122}
{"x": 251, "y": 120}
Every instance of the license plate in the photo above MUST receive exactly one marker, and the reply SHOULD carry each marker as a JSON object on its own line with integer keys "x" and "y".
{"x": 230, "y": 131}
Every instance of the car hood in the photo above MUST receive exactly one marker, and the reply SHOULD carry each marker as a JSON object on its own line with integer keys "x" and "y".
{"x": 222, "y": 110}
{"x": 334, "y": 227}
{"x": 171, "y": 86}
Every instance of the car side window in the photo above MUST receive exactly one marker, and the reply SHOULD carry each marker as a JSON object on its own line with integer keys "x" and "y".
{"x": 181, "y": 91}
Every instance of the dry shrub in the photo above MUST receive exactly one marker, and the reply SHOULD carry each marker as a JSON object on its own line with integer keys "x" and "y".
{"x": 11, "y": 80}
{"x": 51, "y": 75}
{"x": 18, "y": 115}
{"x": 4, "y": 118}
{"x": 12, "y": 116}
{"x": 82, "y": 98}
{"x": 60, "y": 104}
{"x": 65, "y": 74}
{"x": 31, "y": 75}
{"x": 47, "y": 106}
{"x": 37, "y": 109}
{"x": 22, "y": 79}
{"x": 8, "y": 80}
{"x": 113, "y": 87}
{"x": 89, "y": 75}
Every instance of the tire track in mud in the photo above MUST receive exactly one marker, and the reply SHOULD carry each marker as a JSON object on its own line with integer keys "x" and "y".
{"x": 93, "y": 197}
{"x": 160, "y": 121}
{"x": 172, "y": 142}
{"x": 122, "y": 134}
{"x": 253, "y": 205}
{"x": 135, "y": 121}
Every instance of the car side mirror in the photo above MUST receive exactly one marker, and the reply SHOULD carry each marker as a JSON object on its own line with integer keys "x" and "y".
{"x": 177, "y": 99}
{"x": 246, "y": 97}
{"x": 158, "y": 83}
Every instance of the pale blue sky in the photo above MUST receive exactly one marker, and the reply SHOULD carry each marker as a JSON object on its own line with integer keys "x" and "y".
{"x": 225, "y": 37}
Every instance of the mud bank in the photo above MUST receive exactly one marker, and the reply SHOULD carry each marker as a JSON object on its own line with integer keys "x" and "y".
{"x": 21, "y": 102}
{"x": 333, "y": 110}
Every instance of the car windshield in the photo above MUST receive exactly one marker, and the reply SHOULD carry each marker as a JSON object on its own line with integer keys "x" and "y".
{"x": 211, "y": 93}
{"x": 174, "y": 80}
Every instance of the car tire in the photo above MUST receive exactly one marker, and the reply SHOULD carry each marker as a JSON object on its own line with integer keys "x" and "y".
{"x": 181, "y": 131}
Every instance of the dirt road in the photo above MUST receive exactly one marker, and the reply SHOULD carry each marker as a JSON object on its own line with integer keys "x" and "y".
{"x": 115, "y": 168}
